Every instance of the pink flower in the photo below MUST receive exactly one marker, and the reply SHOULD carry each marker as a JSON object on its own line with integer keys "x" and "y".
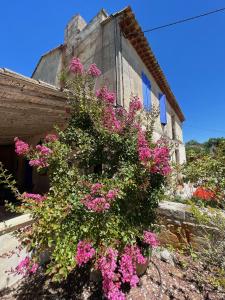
{"x": 44, "y": 150}
{"x": 22, "y": 148}
{"x": 111, "y": 194}
{"x": 23, "y": 266}
{"x": 51, "y": 138}
{"x": 107, "y": 264}
{"x": 110, "y": 120}
{"x": 135, "y": 104}
{"x": 144, "y": 152}
{"x": 40, "y": 162}
{"x": 121, "y": 112}
{"x": 96, "y": 187}
{"x": 98, "y": 204}
{"x": 36, "y": 197}
{"x": 150, "y": 238}
{"x": 105, "y": 95}
{"x": 85, "y": 252}
{"x": 161, "y": 161}
{"x": 94, "y": 71}
{"x": 76, "y": 66}
{"x": 130, "y": 257}
{"x": 34, "y": 268}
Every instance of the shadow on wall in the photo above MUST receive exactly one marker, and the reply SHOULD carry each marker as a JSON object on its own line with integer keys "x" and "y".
{"x": 77, "y": 286}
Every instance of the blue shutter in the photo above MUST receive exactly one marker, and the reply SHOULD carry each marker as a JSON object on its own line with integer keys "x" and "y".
{"x": 162, "y": 105}
{"x": 146, "y": 88}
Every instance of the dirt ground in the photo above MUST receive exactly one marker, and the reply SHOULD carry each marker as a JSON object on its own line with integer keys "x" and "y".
{"x": 181, "y": 279}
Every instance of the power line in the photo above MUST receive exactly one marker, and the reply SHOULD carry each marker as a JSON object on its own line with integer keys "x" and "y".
{"x": 185, "y": 20}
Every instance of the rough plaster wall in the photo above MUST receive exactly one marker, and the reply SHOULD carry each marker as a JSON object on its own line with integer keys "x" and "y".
{"x": 94, "y": 44}
{"x": 73, "y": 28}
{"x": 133, "y": 66}
{"x": 49, "y": 68}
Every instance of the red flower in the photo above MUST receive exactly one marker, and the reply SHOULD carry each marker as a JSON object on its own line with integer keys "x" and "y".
{"x": 204, "y": 194}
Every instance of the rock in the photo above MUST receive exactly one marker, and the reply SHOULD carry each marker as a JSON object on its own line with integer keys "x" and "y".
{"x": 167, "y": 257}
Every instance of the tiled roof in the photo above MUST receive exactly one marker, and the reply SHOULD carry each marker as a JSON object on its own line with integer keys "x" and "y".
{"x": 133, "y": 32}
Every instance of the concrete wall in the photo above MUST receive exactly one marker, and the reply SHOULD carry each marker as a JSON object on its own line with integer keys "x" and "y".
{"x": 10, "y": 256}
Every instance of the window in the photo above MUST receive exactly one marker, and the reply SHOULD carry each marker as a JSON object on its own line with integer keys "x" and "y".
{"x": 162, "y": 107}
{"x": 146, "y": 89}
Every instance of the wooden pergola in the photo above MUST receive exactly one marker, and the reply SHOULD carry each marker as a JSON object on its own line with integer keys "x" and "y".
{"x": 28, "y": 107}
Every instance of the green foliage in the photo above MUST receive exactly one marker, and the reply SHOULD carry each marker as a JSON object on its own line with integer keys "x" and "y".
{"x": 87, "y": 153}
{"x": 212, "y": 255}
{"x": 208, "y": 170}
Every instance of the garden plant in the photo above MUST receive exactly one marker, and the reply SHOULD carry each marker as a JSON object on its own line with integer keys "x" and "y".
{"x": 106, "y": 178}
{"x": 207, "y": 172}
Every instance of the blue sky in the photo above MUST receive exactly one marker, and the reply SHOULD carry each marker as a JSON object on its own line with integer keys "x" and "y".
{"x": 192, "y": 55}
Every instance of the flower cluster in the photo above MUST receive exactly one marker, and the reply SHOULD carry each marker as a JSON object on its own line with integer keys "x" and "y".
{"x": 105, "y": 95}
{"x": 43, "y": 150}
{"x": 144, "y": 152}
{"x": 51, "y": 138}
{"x": 26, "y": 267}
{"x": 21, "y": 148}
{"x": 99, "y": 200}
{"x": 85, "y": 252}
{"x": 39, "y": 162}
{"x": 161, "y": 160}
{"x": 204, "y": 194}
{"x": 151, "y": 239}
{"x": 110, "y": 120}
{"x": 37, "y": 197}
{"x": 134, "y": 106}
{"x": 76, "y": 66}
{"x": 157, "y": 159}
{"x": 40, "y": 156}
{"x": 42, "y": 160}
{"x": 107, "y": 264}
{"x": 129, "y": 259}
{"x": 94, "y": 71}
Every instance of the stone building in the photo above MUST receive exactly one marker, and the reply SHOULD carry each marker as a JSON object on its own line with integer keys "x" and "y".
{"x": 117, "y": 44}
{"x": 32, "y": 106}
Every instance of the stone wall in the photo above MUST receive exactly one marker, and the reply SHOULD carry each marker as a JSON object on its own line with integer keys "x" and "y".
{"x": 179, "y": 227}
{"x": 101, "y": 41}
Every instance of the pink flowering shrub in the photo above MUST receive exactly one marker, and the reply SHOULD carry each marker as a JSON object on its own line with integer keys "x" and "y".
{"x": 94, "y": 71}
{"x": 85, "y": 252}
{"x": 21, "y": 148}
{"x": 35, "y": 197}
{"x": 151, "y": 239}
{"x": 76, "y": 66}
{"x": 105, "y": 95}
{"x": 26, "y": 267}
{"x": 106, "y": 177}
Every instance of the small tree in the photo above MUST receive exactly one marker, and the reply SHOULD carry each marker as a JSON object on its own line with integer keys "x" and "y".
{"x": 105, "y": 178}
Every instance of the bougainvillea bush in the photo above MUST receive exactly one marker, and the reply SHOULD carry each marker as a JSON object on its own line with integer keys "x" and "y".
{"x": 106, "y": 178}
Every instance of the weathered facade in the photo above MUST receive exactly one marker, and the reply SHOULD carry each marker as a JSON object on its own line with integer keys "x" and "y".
{"x": 117, "y": 45}
{"x": 30, "y": 107}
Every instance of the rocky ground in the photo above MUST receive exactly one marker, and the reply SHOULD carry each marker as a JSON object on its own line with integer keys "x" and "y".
{"x": 169, "y": 276}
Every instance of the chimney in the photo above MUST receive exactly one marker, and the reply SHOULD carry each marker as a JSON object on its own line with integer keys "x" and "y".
{"x": 73, "y": 28}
